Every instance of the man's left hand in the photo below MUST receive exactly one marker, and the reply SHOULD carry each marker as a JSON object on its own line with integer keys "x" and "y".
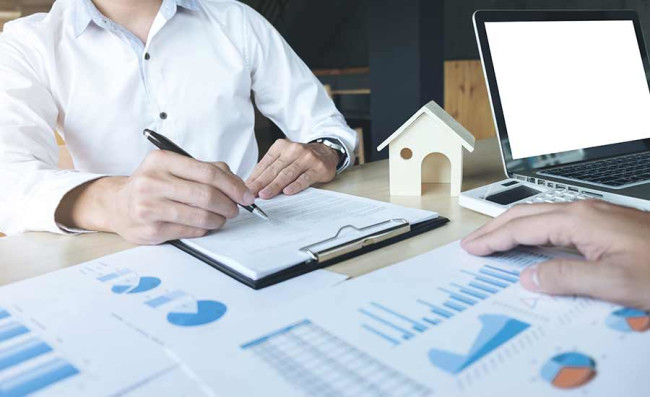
{"x": 291, "y": 167}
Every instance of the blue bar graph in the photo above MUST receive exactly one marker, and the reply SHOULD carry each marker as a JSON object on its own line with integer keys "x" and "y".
{"x": 405, "y": 333}
{"x": 431, "y": 321}
{"x": 381, "y": 334}
{"x": 459, "y": 296}
{"x": 114, "y": 275}
{"x": 437, "y": 310}
{"x": 483, "y": 287}
{"x": 166, "y": 298}
{"x": 37, "y": 378}
{"x": 470, "y": 292}
{"x": 416, "y": 325}
{"x": 491, "y": 281}
{"x": 510, "y": 272}
{"x": 454, "y": 306}
{"x": 22, "y": 352}
{"x": 498, "y": 275}
{"x": 520, "y": 257}
{"x": 12, "y": 330}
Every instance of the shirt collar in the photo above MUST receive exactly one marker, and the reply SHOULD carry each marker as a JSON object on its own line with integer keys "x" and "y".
{"x": 84, "y": 12}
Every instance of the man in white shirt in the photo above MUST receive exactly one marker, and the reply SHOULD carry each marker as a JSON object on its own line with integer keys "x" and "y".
{"x": 101, "y": 71}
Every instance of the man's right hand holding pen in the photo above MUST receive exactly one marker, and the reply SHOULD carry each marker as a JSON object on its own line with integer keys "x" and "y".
{"x": 168, "y": 197}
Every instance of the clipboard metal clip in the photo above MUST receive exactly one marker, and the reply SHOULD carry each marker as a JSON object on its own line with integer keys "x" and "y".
{"x": 379, "y": 232}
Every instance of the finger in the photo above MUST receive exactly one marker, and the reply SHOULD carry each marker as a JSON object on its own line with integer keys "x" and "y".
{"x": 181, "y": 214}
{"x": 222, "y": 166}
{"x": 303, "y": 182}
{"x": 572, "y": 277}
{"x": 546, "y": 228}
{"x": 202, "y": 196}
{"x": 515, "y": 212}
{"x": 268, "y": 159}
{"x": 285, "y": 177}
{"x": 270, "y": 173}
{"x": 161, "y": 232}
{"x": 207, "y": 173}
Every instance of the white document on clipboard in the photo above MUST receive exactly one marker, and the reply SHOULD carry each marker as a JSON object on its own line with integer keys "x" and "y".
{"x": 302, "y": 227}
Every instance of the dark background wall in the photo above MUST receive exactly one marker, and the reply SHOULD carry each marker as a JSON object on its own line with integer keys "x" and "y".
{"x": 459, "y": 31}
{"x": 333, "y": 33}
{"x": 403, "y": 44}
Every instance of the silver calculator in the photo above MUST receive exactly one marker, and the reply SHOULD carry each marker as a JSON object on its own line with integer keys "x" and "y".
{"x": 496, "y": 198}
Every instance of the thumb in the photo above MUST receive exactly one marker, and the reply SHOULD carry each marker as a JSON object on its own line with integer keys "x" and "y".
{"x": 566, "y": 277}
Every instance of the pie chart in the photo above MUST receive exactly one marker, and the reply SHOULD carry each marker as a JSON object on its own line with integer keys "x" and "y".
{"x": 628, "y": 320}
{"x": 569, "y": 370}
{"x": 144, "y": 284}
{"x": 201, "y": 313}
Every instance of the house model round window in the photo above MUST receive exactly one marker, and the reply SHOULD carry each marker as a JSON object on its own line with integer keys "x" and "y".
{"x": 406, "y": 153}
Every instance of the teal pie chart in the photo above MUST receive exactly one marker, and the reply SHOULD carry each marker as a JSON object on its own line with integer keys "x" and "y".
{"x": 144, "y": 284}
{"x": 206, "y": 312}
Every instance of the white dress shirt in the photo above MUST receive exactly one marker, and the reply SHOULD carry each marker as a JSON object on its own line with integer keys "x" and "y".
{"x": 80, "y": 73}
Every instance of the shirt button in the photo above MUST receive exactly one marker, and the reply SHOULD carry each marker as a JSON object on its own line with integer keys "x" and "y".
{"x": 163, "y": 115}
{"x": 146, "y": 56}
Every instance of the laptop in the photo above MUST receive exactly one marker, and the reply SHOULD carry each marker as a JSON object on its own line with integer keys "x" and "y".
{"x": 571, "y": 103}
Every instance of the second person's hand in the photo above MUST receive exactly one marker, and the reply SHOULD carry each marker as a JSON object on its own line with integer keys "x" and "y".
{"x": 613, "y": 240}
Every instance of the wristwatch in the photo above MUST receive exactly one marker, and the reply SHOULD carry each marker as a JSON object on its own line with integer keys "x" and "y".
{"x": 338, "y": 147}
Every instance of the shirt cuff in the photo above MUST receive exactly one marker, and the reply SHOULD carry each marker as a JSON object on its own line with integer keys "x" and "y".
{"x": 40, "y": 207}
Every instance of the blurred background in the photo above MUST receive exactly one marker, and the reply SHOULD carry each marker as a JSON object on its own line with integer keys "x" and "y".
{"x": 381, "y": 60}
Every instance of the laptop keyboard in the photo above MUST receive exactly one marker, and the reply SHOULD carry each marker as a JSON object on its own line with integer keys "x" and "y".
{"x": 614, "y": 172}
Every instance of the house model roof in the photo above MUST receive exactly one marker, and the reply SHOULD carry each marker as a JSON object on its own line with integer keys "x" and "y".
{"x": 432, "y": 109}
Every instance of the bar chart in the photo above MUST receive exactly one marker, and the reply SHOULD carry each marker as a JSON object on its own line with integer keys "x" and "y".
{"x": 396, "y": 324}
{"x": 321, "y": 364}
{"x": 32, "y": 363}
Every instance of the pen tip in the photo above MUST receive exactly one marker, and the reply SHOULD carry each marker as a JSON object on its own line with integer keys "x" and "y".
{"x": 261, "y": 214}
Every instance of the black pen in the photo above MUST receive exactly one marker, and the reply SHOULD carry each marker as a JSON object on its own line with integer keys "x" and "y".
{"x": 163, "y": 143}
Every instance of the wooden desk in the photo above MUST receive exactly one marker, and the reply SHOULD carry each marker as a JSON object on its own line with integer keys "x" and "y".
{"x": 33, "y": 254}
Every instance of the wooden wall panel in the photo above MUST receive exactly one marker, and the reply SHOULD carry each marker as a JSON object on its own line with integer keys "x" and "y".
{"x": 466, "y": 97}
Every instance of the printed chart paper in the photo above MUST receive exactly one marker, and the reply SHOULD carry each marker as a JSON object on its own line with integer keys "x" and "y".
{"x": 112, "y": 326}
{"x": 439, "y": 324}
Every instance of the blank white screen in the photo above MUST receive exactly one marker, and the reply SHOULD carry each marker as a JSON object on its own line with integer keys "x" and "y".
{"x": 569, "y": 85}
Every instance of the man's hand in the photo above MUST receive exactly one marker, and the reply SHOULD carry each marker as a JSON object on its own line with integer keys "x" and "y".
{"x": 291, "y": 167}
{"x": 168, "y": 197}
{"x": 613, "y": 240}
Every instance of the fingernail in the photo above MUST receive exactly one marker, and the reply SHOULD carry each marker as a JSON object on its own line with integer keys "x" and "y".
{"x": 534, "y": 276}
{"x": 530, "y": 280}
{"x": 249, "y": 198}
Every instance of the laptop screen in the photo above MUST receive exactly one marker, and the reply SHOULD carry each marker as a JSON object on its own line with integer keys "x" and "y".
{"x": 567, "y": 85}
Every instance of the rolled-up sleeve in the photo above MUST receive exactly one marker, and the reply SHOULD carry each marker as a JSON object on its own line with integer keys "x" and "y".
{"x": 287, "y": 92}
{"x": 31, "y": 185}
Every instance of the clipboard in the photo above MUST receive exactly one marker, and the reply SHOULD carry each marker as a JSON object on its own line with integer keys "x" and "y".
{"x": 327, "y": 253}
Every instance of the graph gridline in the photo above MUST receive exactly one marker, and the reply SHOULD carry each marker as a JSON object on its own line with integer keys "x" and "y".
{"x": 321, "y": 364}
